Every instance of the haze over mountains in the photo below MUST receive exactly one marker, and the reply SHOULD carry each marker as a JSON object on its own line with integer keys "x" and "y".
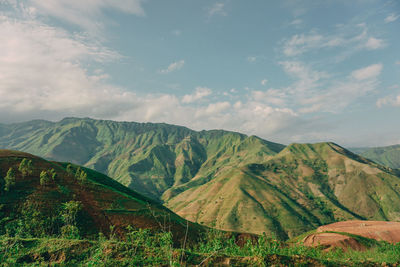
{"x": 221, "y": 179}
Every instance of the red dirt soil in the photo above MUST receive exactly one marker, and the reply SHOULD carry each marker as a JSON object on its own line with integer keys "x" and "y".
{"x": 378, "y": 230}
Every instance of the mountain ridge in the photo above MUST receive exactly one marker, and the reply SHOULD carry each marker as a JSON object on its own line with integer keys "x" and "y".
{"x": 223, "y": 179}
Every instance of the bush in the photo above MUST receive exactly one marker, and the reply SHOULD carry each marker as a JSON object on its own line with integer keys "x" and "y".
{"x": 44, "y": 178}
{"x": 26, "y": 167}
{"x": 70, "y": 211}
{"x": 70, "y": 232}
{"x": 53, "y": 174}
{"x": 81, "y": 176}
{"x": 9, "y": 179}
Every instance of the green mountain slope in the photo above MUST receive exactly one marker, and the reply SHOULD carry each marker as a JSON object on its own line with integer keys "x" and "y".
{"x": 151, "y": 158}
{"x": 222, "y": 179}
{"x": 388, "y": 156}
{"x": 36, "y": 203}
{"x": 303, "y": 186}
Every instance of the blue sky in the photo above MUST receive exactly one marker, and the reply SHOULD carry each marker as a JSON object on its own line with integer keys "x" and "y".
{"x": 287, "y": 71}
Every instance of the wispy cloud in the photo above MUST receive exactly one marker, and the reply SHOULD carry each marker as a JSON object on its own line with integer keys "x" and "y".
{"x": 391, "y": 18}
{"x": 88, "y": 15}
{"x": 391, "y": 100}
{"x": 296, "y": 22}
{"x": 251, "y": 59}
{"x": 369, "y": 72}
{"x": 173, "y": 67}
{"x": 217, "y": 9}
{"x": 374, "y": 43}
{"x": 200, "y": 93}
{"x": 346, "y": 39}
{"x": 316, "y": 91}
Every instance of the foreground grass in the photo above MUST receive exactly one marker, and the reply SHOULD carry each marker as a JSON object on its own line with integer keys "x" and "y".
{"x": 141, "y": 248}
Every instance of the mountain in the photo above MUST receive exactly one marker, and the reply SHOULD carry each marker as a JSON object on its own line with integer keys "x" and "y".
{"x": 222, "y": 179}
{"x": 303, "y": 186}
{"x": 47, "y": 198}
{"x": 388, "y": 156}
{"x": 149, "y": 157}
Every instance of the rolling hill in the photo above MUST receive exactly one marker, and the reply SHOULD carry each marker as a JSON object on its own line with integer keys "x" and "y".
{"x": 222, "y": 179}
{"x": 51, "y": 198}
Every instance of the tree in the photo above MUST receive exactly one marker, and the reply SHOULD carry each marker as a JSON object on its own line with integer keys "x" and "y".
{"x": 26, "y": 167}
{"x": 70, "y": 211}
{"x": 9, "y": 179}
{"x": 44, "y": 178}
{"x": 53, "y": 174}
{"x": 81, "y": 176}
{"x": 70, "y": 169}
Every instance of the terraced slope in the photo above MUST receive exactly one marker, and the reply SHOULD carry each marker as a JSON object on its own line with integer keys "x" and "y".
{"x": 151, "y": 158}
{"x": 35, "y": 207}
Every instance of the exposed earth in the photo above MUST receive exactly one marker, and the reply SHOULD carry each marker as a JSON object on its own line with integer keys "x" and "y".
{"x": 347, "y": 234}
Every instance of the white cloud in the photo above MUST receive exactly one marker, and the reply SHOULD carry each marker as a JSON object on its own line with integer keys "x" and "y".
{"x": 307, "y": 79}
{"x": 41, "y": 70}
{"x": 272, "y": 96}
{"x": 369, "y": 72}
{"x": 374, "y": 43}
{"x": 200, "y": 93}
{"x": 296, "y": 22}
{"x": 86, "y": 14}
{"x": 347, "y": 38}
{"x": 264, "y": 82}
{"x": 217, "y": 9}
{"x": 388, "y": 100}
{"x": 391, "y": 18}
{"x": 315, "y": 91}
{"x": 173, "y": 67}
{"x": 251, "y": 59}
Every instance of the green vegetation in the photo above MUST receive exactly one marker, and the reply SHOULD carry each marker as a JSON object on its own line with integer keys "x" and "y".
{"x": 388, "y": 156}
{"x": 44, "y": 178}
{"x": 9, "y": 179}
{"x": 26, "y": 167}
{"x": 144, "y": 248}
{"x": 218, "y": 178}
{"x": 51, "y": 217}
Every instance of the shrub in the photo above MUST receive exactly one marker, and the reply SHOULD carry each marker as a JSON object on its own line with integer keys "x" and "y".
{"x": 70, "y": 211}
{"x": 9, "y": 179}
{"x": 81, "y": 176}
{"x": 53, "y": 174}
{"x": 26, "y": 167}
{"x": 70, "y": 169}
{"x": 70, "y": 232}
{"x": 44, "y": 178}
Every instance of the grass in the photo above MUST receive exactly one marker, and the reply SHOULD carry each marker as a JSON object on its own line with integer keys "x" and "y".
{"x": 144, "y": 248}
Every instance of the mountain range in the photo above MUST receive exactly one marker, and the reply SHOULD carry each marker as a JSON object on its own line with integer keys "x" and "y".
{"x": 221, "y": 179}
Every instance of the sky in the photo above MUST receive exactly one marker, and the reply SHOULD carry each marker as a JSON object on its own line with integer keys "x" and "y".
{"x": 286, "y": 71}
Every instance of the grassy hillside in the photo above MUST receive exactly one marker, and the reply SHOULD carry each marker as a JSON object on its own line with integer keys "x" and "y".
{"x": 388, "y": 156}
{"x": 303, "y": 186}
{"x": 151, "y": 158}
{"x": 47, "y": 198}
